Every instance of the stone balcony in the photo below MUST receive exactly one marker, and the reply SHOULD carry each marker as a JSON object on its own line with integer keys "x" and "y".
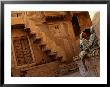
{"x": 54, "y": 13}
{"x": 17, "y": 20}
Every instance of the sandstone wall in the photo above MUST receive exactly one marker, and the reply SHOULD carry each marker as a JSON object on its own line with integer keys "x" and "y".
{"x": 84, "y": 20}
{"x": 96, "y": 24}
{"x": 38, "y": 55}
{"x": 62, "y": 33}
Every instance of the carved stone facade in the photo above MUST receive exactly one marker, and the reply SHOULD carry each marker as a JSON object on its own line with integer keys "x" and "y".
{"x": 22, "y": 51}
{"x": 44, "y": 43}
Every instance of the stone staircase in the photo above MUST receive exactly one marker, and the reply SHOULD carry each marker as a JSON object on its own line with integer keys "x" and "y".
{"x": 44, "y": 42}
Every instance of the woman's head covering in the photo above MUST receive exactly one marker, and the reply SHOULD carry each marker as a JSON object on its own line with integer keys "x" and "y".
{"x": 81, "y": 35}
{"x": 92, "y": 29}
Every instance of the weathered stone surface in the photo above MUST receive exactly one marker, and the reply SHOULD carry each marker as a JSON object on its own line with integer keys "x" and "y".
{"x": 96, "y": 24}
{"x": 44, "y": 70}
{"x": 93, "y": 66}
{"x": 52, "y": 69}
{"x": 82, "y": 68}
{"x": 55, "y": 35}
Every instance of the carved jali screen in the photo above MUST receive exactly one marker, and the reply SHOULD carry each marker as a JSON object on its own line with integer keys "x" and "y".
{"x": 22, "y": 51}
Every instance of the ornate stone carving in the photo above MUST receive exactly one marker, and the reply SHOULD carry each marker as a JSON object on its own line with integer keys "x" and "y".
{"x": 22, "y": 51}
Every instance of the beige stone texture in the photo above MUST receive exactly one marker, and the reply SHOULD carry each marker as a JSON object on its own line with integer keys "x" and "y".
{"x": 48, "y": 31}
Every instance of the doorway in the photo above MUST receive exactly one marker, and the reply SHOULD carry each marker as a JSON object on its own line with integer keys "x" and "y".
{"x": 76, "y": 26}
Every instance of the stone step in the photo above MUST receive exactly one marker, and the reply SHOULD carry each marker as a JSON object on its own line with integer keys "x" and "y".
{"x": 36, "y": 39}
{"x": 59, "y": 57}
{"x": 45, "y": 49}
{"x": 27, "y": 29}
{"x": 32, "y": 34}
{"x": 52, "y": 54}
{"x": 53, "y": 57}
{"x": 42, "y": 45}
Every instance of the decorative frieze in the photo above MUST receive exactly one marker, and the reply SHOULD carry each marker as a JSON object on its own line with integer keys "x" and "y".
{"x": 22, "y": 51}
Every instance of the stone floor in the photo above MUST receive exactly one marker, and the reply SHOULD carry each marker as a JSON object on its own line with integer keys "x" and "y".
{"x": 74, "y": 74}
